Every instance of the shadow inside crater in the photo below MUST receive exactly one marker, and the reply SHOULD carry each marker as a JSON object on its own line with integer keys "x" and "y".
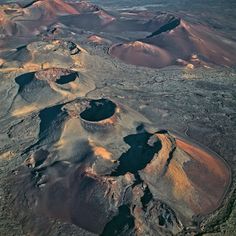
{"x": 98, "y": 110}
{"x": 64, "y": 79}
{"x": 24, "y": 80}
{"x": 120, "y": 224}
{"x": 139, "y": 154}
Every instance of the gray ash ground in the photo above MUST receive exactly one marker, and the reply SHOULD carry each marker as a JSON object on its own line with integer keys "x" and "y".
{"x": 198, "y": 104}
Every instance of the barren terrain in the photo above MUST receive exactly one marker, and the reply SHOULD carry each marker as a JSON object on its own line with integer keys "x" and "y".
{"x": 116, "y": 120}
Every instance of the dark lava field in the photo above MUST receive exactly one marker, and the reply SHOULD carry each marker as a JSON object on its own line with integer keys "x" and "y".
{"x": 117, "y": 118}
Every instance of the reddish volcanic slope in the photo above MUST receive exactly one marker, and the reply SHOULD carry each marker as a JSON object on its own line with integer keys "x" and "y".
{"x": 142, "y": 54}
{"x": 21, "y": 24}
{"x": 205, "y": 167}
{"x": 20, "y": 21}
{"x": 98, "y": 40}
{"x": 178, "y": 173}
{"x": 195, "y": 44}
{"x": 88, "y": 160}
{"x": 157, "y": 39}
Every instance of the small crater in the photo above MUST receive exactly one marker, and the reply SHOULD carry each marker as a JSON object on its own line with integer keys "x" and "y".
{"x": 99, "y": 110}
{"x": 57, "y": 75}
{"x": 64, "y": 79}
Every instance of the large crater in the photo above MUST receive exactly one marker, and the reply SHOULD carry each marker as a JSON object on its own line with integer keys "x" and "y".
{"x": 99, "y": 113}
{"x": 99, "y": 110}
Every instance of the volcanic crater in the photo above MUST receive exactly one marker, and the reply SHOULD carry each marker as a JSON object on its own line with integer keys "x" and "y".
{"x": 78, "y": 171}
{"x": 88, "y": 153}
{"x": 100, "y": 114}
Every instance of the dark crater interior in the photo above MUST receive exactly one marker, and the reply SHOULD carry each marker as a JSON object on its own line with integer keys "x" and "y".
{"x": 24, "y": 80}
{"x": 98, "y": 110}
{"x": 120, "y": 224}
{"x": 64, "y": 79}
{"x": 138, "y": 155}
